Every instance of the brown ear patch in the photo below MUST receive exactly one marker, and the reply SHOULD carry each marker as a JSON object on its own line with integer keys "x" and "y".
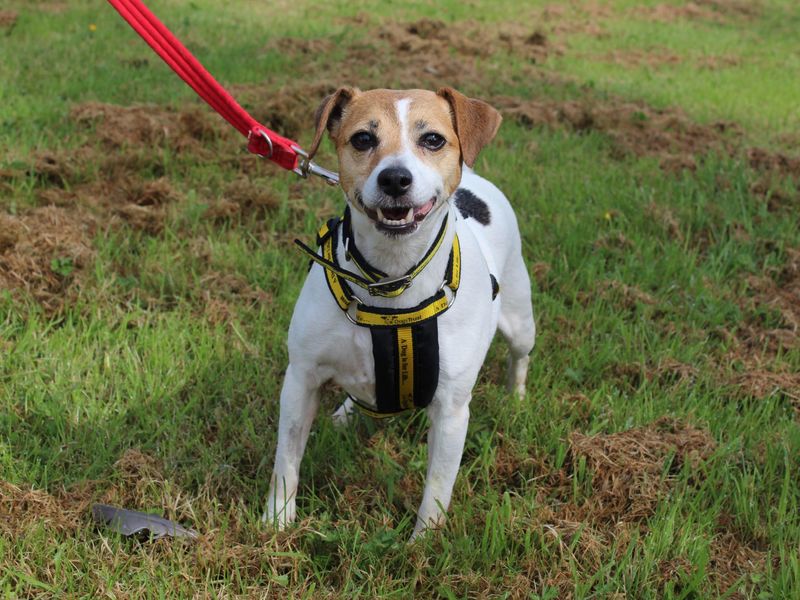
{"x": 476, "y": 122}
{"x": 328, "y": 113}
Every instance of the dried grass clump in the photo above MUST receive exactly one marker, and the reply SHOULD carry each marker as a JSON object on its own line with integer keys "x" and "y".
{"x": 632, "y": 470}
{"x": 45, "y": 253}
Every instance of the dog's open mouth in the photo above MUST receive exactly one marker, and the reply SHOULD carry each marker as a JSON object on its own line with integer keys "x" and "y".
{"x": 400, "y": 219}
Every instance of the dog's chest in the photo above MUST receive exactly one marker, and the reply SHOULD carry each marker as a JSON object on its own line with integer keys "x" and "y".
{"x": 354, "y": 368}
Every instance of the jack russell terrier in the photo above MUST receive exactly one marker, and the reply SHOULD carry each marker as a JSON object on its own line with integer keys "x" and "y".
{"x": 406, "y": 291}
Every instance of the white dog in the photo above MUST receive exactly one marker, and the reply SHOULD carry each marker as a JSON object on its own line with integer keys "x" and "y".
{"x": 402, "y": 302}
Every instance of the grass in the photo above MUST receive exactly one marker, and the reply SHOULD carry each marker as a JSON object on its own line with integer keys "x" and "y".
{"x": 146, "y": 372}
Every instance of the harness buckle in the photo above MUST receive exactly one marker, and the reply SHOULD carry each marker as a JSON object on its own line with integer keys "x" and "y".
{"x": 404, "y": 281}
{"x": 305, "y": 166}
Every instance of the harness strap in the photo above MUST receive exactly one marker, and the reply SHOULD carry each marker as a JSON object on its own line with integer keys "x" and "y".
{"x": 261, "y": 140}
{"x": 377, "y": 276}
{"x": 376, "y": 282}
{"x": 405, "y": 342}
{"x": 374, "y": 316}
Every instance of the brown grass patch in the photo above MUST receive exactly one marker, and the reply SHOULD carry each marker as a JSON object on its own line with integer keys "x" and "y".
{"x": 669, "y": 13}
{"x": 730, "y": 560}
{"x": 713, "y": 11}
{"x": 665, "y": 219}
{"x": 632, "y": 470}
{"x": 654, "y": 58}
{"x": 242, "y": 197}
{"x": 429, "y": 38}
{"x": 24, "y": 508}
{"x": 8, "y": 18}
{"x": 716, "y": 62}
{"x": 148, "y": 125}
{"x": 622, "y": 294}
{"x": 634, "y": 127}
{"x": 761, "y": 384}
{"x": 779, "y": 293}
{"x": 779, "y": 179}
{"x": 45, "y": 253}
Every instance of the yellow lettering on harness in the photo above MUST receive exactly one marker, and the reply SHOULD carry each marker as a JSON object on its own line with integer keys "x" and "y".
{"x": 365, "y": 317}
{"x": 405, "y": 353}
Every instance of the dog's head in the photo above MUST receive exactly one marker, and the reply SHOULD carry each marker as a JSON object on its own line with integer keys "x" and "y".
{"x": 400, "y": 152}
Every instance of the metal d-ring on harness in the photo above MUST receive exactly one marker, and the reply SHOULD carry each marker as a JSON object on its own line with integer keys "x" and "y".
{"x": 405, "y": 342}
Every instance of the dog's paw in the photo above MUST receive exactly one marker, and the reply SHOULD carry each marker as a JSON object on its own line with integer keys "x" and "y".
{"x": 425, "y": 526}
{"x": 517, "y": 375}
{"x": 343, "y": 416}
{"x": 280, "y": 515}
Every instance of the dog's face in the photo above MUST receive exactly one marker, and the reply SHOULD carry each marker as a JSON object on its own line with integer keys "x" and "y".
{"x": 400, "y": 152}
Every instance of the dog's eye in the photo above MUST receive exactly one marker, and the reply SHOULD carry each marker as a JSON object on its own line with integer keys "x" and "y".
{"x": 363, "y": 140}
{"x": 432, "y": 141}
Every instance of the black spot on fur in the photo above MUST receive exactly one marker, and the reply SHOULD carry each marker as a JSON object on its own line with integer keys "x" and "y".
{"x": 469, "y": 205}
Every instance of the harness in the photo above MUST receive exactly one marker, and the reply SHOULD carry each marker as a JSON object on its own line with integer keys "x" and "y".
{"x": 405, "y": 341}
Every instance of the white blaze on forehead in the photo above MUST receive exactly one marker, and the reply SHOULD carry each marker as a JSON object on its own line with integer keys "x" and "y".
{"x": 401, "y": 107}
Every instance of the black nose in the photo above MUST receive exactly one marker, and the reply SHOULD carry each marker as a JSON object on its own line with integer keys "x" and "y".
{"x": 394, "y": 181}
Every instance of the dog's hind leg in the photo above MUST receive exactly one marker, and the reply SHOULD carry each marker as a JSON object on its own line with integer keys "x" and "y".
{"x": 516, "y": 321}
{"x": 299, "y": 404}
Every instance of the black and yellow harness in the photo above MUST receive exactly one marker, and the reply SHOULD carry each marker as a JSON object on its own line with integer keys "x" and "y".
{"x": 405, "y": 342}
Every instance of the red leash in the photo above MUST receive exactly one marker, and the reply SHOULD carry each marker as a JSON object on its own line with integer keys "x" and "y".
{"x": 261, "y": 140}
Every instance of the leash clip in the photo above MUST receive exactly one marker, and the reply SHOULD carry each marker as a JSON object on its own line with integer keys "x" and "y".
{"x": 305, "y": 166}
{"x": 404, "y": 282}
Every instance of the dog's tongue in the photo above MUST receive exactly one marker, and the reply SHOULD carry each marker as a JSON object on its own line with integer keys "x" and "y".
{"x": 423, "y": 210}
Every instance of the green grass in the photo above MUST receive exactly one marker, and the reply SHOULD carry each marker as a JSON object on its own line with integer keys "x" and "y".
{"x": 755, "y": 91}
{"x": 635, "y": 267}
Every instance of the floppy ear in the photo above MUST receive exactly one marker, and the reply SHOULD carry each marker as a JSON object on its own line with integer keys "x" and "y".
{"x": 328, "y": 114}
{"x": 475, "y": 121}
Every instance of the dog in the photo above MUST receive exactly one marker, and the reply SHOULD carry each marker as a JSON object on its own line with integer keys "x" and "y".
{"x": 423, "y": 235}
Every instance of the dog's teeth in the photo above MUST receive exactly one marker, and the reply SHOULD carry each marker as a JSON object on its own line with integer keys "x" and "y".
{"x": 409, "y": 215}
{"x": 380, "y": 215}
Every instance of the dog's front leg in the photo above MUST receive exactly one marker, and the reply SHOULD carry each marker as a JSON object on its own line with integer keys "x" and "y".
{"x": 299, "y": 403}
{"x": 446, "y": 436}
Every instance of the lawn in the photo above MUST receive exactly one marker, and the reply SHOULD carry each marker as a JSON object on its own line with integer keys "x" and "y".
{"x": 147, "y": 278}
